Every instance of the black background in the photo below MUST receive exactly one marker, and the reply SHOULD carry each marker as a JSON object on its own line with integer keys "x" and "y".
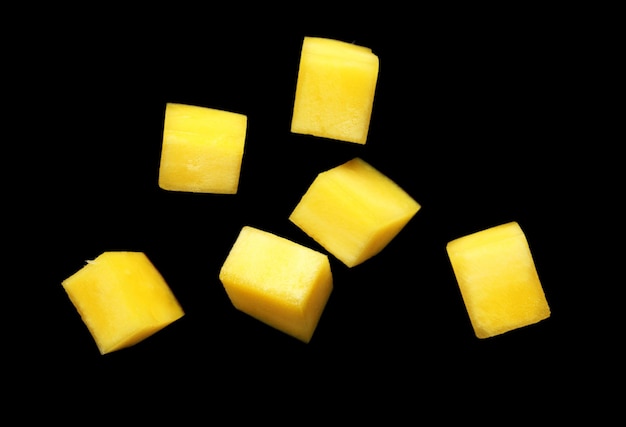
{"x": 472, "y": 117}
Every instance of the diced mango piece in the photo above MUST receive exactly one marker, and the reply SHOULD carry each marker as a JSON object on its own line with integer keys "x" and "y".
{"x": 122, "y": 299}
{"x": 335, "y": 90}
{"x": 202, "y": 149}
{"x": 353, "y": 211}
{"x": 498, "y": 280}
{"x": 277, "y": 281}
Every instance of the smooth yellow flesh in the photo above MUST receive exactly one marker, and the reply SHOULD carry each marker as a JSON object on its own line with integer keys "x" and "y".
{"x": 277, "y": 281}
{"x": 499, "y": 284}
{"x": 122, "y": 299}
{"x": 335, "y": 90}
{"x": 353, "y": 211}
{"x": 202, "y": 149}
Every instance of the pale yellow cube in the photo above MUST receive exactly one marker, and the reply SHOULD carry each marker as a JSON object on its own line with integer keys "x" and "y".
{"x": 353, "y": 211}
{"x": 335, "y": 90}
{"x": 122, "y": 299}
{"x": 498, "y": 280}
{"x": 202, "y": 149}
{"x": 277, "y": 281}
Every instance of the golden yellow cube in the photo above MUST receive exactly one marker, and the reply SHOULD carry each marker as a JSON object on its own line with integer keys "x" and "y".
{"x": 335, "y": 90}
{"x": 498, "y": 280}
{"x": 122, "y": 299}
{"x": 202, "y": 149}
{"x": 277, "y": 281}
{"x": 353, "y": 211}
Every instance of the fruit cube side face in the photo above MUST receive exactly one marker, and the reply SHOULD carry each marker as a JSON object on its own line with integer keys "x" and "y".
{"x": 202, "y": 149}
{"x": 122, "y": 299}
{"x": 498, "y": 280}
{"x": 335, "y": 90}
{"x": 277, "y": 281}
{"x": 353, "y": 211}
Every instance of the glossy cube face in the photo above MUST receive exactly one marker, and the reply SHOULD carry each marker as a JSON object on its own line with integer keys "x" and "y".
{"x": 498, "y": 281}
{"x": 202, "y": 149}
{"x": 122, "y": 299}
{"x": 353, "y": 211}
{"x": 335, "y": 90}
{"x": 277, "y": 281}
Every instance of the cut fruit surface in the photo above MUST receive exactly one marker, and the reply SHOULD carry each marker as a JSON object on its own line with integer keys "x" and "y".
{"x": 498, "y": 280}
{"x": 277, "y": 281}
{"x": 335, "y": 90}
{"x": 122, "y": 299}
{"x": 353, "y": 211}
{"x": 202, "y": 149}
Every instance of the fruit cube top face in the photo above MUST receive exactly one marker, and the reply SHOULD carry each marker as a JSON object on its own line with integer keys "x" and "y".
{"x": 353, "y": 211}
{"x": 202, "y": 149}
{"x": 499, "y": 284}
{"x": 277, "y": 281}
{"x": 122, "y": 299}
{"x": 335, "y": 90}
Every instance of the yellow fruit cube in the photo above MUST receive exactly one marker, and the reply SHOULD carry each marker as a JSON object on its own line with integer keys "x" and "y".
{"x": 202, "y": 149}
{"x": 334, "y": 90}
{"x": 353, "y": 211}
{"x": 499, "y": 284}
{"x": 122, "y": 299}
{"x": 277, "y": 281}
